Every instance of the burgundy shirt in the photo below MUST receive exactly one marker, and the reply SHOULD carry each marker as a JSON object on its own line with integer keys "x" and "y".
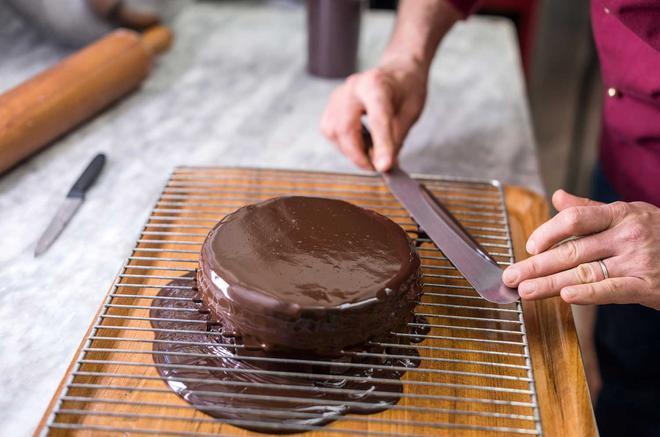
{"x": 627, "y": 34}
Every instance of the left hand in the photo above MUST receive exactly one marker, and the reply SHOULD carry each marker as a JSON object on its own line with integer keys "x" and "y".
{"x": 625, "y": 236}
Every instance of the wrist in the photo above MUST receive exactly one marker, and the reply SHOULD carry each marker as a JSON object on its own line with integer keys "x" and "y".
{"x": 409, "y": 72}
{"x": 410, "y": 57}
{"x": 404, "y": 61}
{"x": 420, "y": 26}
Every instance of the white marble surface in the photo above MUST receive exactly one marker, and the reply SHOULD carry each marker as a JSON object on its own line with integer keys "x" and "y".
{"x": 233, "y": 91}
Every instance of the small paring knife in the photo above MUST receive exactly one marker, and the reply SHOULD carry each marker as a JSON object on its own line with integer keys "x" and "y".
{"x": 464, "y": 252}
{"x": 71, "y": 204}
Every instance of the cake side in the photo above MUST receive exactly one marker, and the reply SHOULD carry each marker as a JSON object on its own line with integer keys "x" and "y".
{"x": 309, "y": 274}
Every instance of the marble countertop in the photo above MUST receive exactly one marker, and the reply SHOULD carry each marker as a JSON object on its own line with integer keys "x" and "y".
{"x": 232, "y": 91}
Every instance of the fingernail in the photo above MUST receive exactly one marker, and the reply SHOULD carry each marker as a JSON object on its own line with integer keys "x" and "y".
{"x": 531, "y": 247}
{"x": 569, "y": 292}
{"x": 382, "y": 163}
{"x": 526, "y": 288}
{"x": 511, "y": 275}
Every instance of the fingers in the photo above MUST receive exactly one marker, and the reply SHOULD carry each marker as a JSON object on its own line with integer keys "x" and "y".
{"x": 371, "y": 93}
{"x": 613, "y": 290}
{"x": 548, "y": 286}
{"x": 572, "y": 221}
{"x": 377, "y": 99}
{"x": 352, "y": 147}
{"x": 563, "y": 257}
{"x": 621, "y": 234}
{"x": 562, "y": 200}
{"x": 341, "y": 124}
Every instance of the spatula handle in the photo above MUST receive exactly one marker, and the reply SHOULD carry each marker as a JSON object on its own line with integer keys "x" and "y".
{"x": 366, "y": 137}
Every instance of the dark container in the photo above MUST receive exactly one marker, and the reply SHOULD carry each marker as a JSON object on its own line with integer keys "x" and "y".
{"x": 333, "y": 33}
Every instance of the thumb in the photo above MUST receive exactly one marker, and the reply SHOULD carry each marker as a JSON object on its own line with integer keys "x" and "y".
{"x": 384, "y": 151}
{"x": 378, "y": 104}
{"x": 562, "y": 200}
{"x": 381, "y": 125}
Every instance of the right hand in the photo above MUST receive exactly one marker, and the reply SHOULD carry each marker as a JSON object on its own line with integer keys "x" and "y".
{"x": 392, "y": 96}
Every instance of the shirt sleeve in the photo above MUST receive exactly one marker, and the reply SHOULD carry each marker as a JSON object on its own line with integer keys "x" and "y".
{"x": 466, "y": 7}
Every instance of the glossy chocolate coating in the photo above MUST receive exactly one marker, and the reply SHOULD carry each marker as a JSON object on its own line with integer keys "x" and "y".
{"x": 308, "y": 273}
{"x": 219, "y": 373}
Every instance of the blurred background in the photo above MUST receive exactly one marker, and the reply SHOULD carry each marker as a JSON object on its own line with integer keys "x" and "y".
{"x": 563, "y": 81}
{"x": 555, "y": 42}
{"x": 565, "y": 93}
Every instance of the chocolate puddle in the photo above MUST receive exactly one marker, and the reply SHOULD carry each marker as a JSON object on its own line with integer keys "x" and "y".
{"x": 269, "y": 391}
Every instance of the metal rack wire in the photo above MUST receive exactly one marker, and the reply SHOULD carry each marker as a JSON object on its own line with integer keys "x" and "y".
{"x": 475, "y": 375}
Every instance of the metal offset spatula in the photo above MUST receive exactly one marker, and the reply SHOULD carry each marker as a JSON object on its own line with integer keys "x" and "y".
{"x": 466, "y": 254}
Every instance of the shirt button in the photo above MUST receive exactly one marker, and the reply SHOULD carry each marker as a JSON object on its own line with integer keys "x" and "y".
{"x": 613, "y": 92}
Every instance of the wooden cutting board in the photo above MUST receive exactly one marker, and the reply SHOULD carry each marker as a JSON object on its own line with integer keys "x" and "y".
{"x": 486, "y": 368}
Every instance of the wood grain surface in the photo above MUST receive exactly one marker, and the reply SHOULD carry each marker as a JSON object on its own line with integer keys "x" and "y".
{"x": 560, "y": 380}
{"x": 473, "y": 358}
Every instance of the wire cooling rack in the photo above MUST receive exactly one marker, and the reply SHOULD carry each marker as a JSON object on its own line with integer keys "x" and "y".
{"x": 474, "y": 377}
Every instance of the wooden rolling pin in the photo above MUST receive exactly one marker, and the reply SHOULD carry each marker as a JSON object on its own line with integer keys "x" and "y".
{"x": 41, "y": 109}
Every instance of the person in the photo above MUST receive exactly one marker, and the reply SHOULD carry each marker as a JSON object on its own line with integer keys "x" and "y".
{"x": 615, "y": 262}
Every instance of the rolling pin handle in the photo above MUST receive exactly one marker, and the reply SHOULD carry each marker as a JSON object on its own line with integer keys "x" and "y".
{"x": 157, "y": 39}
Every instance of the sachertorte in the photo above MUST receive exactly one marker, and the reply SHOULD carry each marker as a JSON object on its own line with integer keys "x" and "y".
{"x": 309, "y": 274}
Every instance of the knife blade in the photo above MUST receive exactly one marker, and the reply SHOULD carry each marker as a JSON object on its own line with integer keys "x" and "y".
{"x": 72, "y": 202}
{"x": 465, "y": 253}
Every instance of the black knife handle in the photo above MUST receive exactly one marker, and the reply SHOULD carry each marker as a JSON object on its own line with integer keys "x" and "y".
{"x": 87, "y": 177}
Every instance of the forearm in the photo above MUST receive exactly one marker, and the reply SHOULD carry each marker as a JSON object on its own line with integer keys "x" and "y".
{"x": 420, "y": 26}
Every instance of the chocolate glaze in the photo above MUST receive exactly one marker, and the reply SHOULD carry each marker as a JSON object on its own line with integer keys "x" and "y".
{"x": 309, "y": 274}
{"x": 230, "y": 379}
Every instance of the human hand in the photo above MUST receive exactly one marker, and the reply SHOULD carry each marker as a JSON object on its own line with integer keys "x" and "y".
{"x": 625, "y": 236}
{"x": 392, "y": 95}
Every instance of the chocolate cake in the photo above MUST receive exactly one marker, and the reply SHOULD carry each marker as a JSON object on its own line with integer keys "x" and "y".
{"x": 308, "y": 274}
